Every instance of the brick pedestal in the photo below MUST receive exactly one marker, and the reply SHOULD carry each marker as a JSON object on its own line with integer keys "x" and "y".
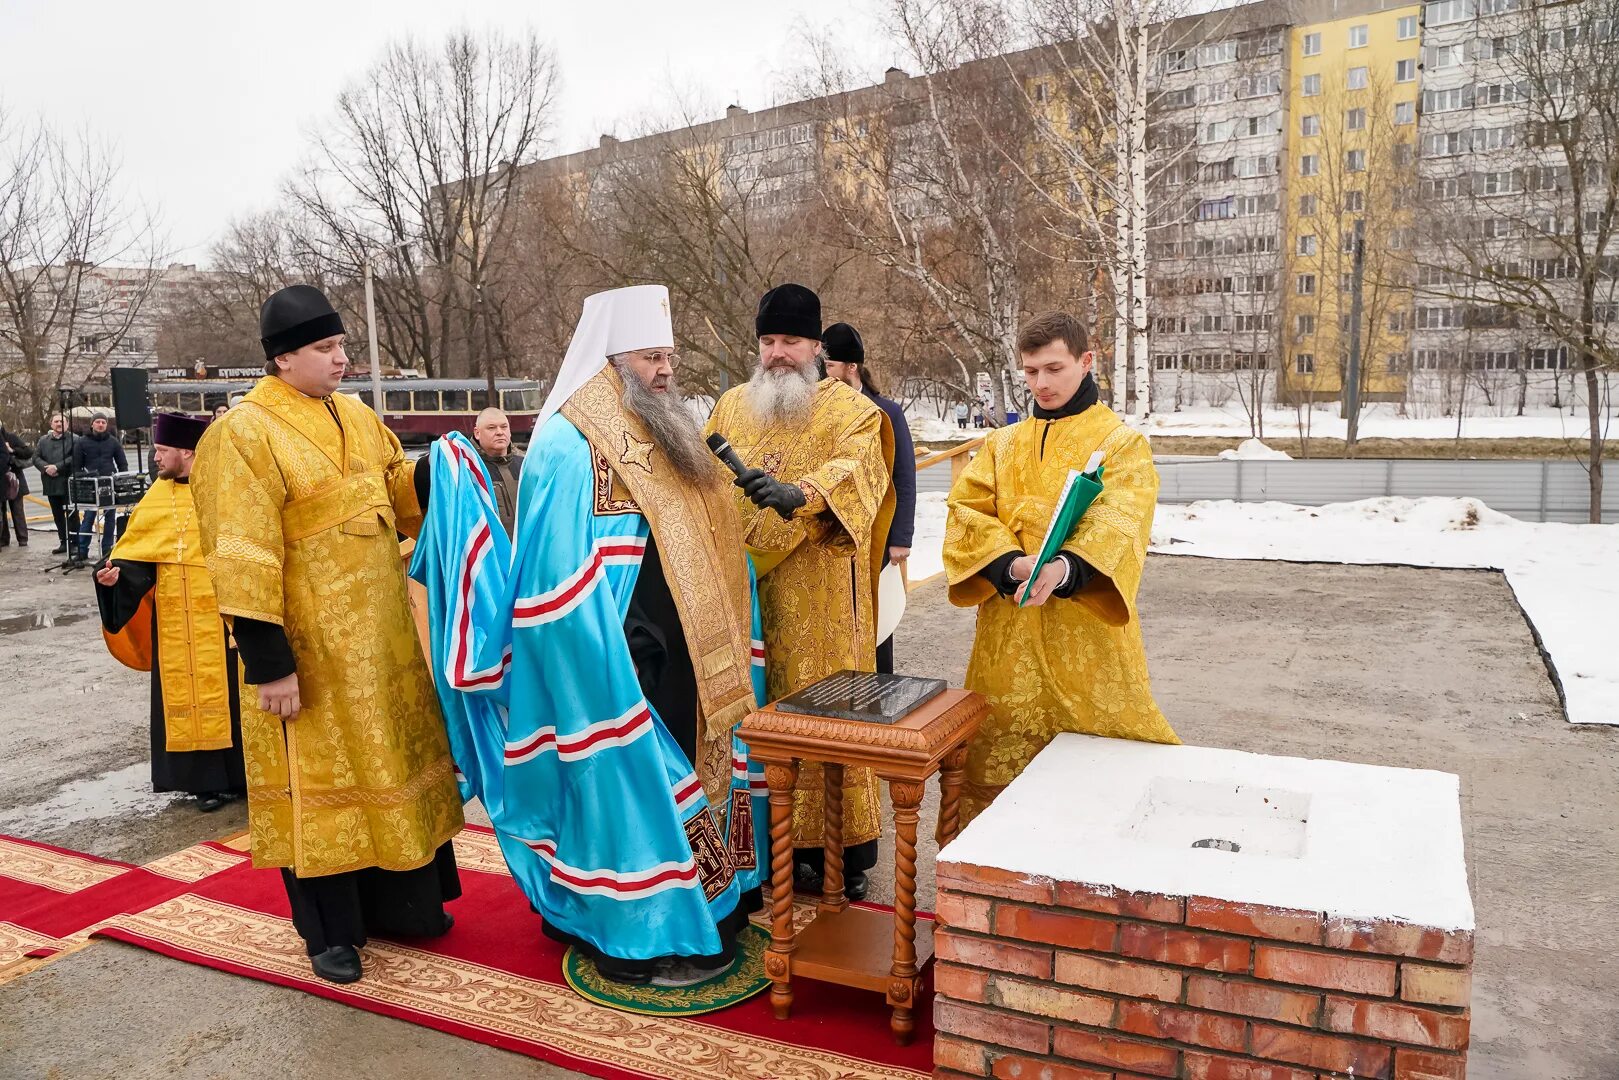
{"x": 1041, "y": 978}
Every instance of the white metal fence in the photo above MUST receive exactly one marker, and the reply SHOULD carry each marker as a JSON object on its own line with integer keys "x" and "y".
{"x": 1531, "y": 490}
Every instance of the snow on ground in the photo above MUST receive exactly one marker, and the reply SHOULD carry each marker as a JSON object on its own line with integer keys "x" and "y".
{"x": 1566, "y": 577}
{"x": 1254, "y": 450}
{"x": 1378, "y": 421}
{"x": 927, "y": 542}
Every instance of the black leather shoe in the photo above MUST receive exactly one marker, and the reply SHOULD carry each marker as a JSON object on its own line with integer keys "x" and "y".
{"x": 339, "y": 964}
{"x": 806, "y": 879}
{"x": 449, "y": 921}
{"x": 209, "y": 801}
{"x": 855, "y": 887}
{"x": 58, "y": 550}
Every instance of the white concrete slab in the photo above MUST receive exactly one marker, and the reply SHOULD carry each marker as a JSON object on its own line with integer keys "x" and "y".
{"x": 1357, "y": 841}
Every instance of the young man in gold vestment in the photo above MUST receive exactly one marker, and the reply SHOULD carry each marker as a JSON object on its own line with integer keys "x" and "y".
{"x": 351, "y": 789}
{"x": 816, "y": 504}
{"x": 1070, "y": 658}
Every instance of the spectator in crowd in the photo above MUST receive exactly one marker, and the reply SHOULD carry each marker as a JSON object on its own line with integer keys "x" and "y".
{"x": 53, "y": 457}
{"x": 13, "y": 486}
{"x": 99, "y": 453}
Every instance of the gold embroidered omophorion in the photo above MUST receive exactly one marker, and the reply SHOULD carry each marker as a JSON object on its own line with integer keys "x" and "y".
{"x": 190, "y": 642}
{"x": 699, "y": 543}
{"x": 819, "y": 598}
{"x": 298, "y": 519}
{"x": 1069, "y": 665}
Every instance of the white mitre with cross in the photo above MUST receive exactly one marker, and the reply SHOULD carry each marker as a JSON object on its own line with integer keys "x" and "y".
{"x": 612, "y": 322}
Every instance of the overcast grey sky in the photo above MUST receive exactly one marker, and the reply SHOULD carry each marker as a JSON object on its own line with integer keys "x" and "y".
{"x": 210, "y": 101}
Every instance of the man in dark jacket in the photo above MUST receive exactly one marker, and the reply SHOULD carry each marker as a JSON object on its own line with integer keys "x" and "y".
{"x": 13, "y": 452}
{"x": 99, "y": 453}
{"x": 845, "y": 357}
{"x": 53, "y": 457}
{"x": 493, "y": 434}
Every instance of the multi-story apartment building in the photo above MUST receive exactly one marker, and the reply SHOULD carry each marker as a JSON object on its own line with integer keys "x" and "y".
{"x": 1281, "y": 132}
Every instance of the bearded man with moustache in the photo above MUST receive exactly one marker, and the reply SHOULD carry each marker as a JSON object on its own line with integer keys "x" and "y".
{"x": 593, "y": 690}
{"x": 816, "y": 502}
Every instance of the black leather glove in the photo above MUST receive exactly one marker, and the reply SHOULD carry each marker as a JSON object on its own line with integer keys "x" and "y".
{"x": 766, "y": 491}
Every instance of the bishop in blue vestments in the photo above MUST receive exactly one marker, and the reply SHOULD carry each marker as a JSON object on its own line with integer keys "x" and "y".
{"x": 593, "y": 671}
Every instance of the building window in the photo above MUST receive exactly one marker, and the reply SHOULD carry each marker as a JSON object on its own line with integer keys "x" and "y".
{"x": 1355, "y": 160}
{"x": 1446, "y": 56}
{"x": 1307, "y": 206}
{"x": 1405, "y": 112}
{"x": 1309, "y": 165}
{"x": 1304, "y": 363}
{"x": 1406, "y": 28}
{"x": 1397, "y": 322}
{"x": 1439, "y": 101}
{"x": 1306, "y": 245}
{"x": 1359, "y": 78}
{"x": 1304, "y": 325}
{"x": 1311, "y": 86}
{"x": 1305, "y": 285}
{"x": 1444, "y": 12}
{"x": 1405, "y": 71}
{"x": 1354, "y": 201}
{"x": 1312, "y": 44}
{"x": 1221, "y": 52}
{"x": 1309, "y": 125}
{"x": 1359, "y": 36}
{"x": 1355, "y": 120}
{"x": 1445, "y": 144}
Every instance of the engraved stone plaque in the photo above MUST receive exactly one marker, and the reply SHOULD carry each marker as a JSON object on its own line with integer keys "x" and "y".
{"x": 863, "y": 695}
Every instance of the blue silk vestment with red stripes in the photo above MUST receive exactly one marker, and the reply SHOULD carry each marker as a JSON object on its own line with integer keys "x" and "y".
{"x": 599, "y": 813}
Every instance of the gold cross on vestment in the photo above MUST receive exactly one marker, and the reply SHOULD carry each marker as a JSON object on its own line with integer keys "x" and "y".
{"x": 636, "y": 452}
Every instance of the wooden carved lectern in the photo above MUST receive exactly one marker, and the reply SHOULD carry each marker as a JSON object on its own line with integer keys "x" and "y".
{"x": 854, "y": 946}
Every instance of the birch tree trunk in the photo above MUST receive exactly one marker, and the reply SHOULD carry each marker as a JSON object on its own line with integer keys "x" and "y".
{"x": 1138, "y": 222}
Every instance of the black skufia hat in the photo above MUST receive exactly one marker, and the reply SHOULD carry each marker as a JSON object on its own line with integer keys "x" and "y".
{"x": 789, "y": 309}
{"x": 842, "y": 345}
{"x": 294, "y": 317}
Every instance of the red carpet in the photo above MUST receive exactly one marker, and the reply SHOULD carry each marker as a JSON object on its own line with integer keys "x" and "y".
{"x": 496, "y": 979}
{"x": 49, "y": 896}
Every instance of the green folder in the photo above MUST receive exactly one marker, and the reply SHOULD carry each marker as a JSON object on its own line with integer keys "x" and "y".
{"x": 1078, "y": 492}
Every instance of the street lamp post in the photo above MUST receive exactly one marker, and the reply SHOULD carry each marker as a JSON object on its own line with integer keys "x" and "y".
{"x": 371, "y": 328}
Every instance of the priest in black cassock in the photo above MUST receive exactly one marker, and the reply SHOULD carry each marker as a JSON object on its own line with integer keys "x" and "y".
{"x": 158, "y": 614}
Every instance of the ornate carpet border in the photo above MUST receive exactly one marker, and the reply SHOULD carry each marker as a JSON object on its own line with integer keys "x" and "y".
{"x": 482, "y": 1003}
{"x": 53, "y": 868}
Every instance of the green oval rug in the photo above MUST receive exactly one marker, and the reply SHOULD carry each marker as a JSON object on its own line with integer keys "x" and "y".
{"x": 739, "y": 982}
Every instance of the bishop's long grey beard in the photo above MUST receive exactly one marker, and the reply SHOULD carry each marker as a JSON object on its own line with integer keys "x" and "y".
{"x": 783, "y": 395}
{"x": 672, "y": 427}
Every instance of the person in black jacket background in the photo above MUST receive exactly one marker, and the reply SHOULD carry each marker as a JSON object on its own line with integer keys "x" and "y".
{"x": 53, "y": 457}
{"x": 13, "y": 452}
{"x": 845, "y": 356}
{"x": 99, "y": 453}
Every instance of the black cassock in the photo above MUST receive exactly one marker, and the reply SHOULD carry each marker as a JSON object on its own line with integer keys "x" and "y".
{"x": 195, "y": 772}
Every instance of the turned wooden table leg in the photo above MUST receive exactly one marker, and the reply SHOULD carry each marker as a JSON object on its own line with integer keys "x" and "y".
{"x": 950, "y": 781}
{"x": 902, "y": 982}
{"x": 778, "y": 960}
{"x": 832, "y": 897}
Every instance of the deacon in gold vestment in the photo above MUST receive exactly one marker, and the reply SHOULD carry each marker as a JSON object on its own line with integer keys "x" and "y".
{"x": 1071, "y": 658}
{"x": 158, "y": 614}
{"x": 351, "y": 787}
{"x": 816, "y": 505}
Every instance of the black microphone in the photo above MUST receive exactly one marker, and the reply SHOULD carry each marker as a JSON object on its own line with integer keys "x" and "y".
{"x": 722, "y": 450}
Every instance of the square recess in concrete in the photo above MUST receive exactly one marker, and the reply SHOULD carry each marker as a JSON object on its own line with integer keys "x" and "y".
{"x": 1175, "y": 812}
{"x": 1358, "y": 841}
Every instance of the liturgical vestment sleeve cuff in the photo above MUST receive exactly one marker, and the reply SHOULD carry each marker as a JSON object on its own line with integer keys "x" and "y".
{"x": 999, "y": 573}
{"x": 265, "y": 651}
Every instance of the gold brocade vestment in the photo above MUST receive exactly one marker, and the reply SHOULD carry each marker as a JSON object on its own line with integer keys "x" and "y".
{"x": 1074, "y": 664}
{"x": 818, "y": 571}
{"x": 699, "y": 544}
{"x": 190, "y": 640}
{"x": 298, "y": 518}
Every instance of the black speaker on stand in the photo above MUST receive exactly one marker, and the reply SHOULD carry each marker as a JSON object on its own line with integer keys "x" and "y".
{"x": 131, "y": 409}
